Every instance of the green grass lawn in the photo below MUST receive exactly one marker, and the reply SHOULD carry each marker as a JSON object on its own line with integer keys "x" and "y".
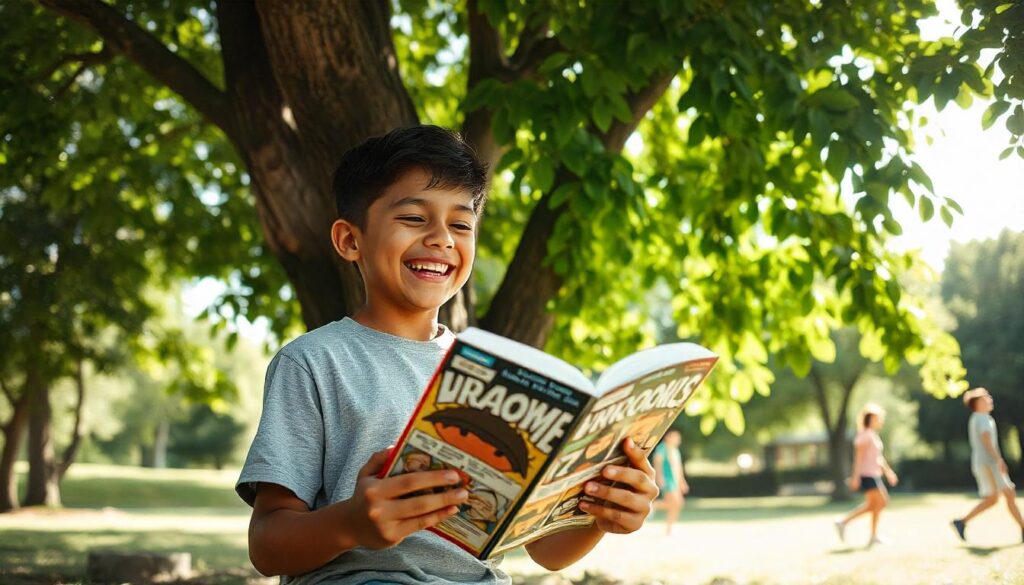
{"x": 756, "y": 540}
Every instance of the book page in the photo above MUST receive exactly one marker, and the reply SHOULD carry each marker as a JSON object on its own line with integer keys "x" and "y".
{"x": 646, "y": 361}
{"x": 642, "y": 410}
{"x": 496, "y": 423}
{"x": 530, "y": 357}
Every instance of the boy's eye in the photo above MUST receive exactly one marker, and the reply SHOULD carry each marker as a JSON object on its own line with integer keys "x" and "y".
{"x": 412, "y": 218}
{"x": 463, "y": 226}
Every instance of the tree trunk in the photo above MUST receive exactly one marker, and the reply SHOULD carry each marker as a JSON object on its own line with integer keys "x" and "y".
{"x": 14, "y": 432}
{"x": 838, "y": 455}
{"x": 75, "y": 443}
{"x": 159, "y": 457}
{"x": 43, "y": 484}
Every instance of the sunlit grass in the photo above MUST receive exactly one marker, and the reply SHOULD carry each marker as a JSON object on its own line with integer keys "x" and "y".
{"x": 768, "y": 541}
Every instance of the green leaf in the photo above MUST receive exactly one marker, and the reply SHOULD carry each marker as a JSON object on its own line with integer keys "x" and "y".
{"x": 925, "y": 208}
{"x": 838, "y": 158}
{"x": 555, "y": 62}
{"x": 993, "y": 112}
{"x": 892, "y": 288}
{"x": 602, "y": 114}
{"x": 562, "y": 194}
{"x": 734, "y": 420}
{"x": 697, "y": 132}
{"x": 707, "y": 424}
{"x": 1015, "y": 123}
{"x": 542, "y": 174}
{"x": 800, "y": 361}
{"x": 834, "y": 99}
{"x": 620, "y": 109}
{"x": 1007, "y": 152}
{"x": 892, "y": 226}
{"x": 952, "y": 204}
{"x": 947, "y": 217}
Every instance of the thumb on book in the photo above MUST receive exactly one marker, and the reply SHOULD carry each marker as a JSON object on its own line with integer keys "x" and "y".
{"x": 376, "y": 462}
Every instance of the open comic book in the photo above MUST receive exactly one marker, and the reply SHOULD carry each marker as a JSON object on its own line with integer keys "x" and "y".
{"x": 526, "y": 430}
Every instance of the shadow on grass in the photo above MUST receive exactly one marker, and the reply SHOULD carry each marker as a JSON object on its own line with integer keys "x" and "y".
{"x": 984, "y": 551}
{"x": 28, "y": 556}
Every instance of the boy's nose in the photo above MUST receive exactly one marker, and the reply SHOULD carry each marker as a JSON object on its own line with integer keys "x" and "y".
{"x": 440, "y": 237}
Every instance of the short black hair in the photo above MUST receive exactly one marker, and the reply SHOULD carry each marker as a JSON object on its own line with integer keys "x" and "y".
{"x": 367, "y": 170}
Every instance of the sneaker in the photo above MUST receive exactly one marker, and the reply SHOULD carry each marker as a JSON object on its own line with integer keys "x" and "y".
{"x": 840, "y": 530}
{"x": 959, "y": 527}
{"x": 878, "y": 540}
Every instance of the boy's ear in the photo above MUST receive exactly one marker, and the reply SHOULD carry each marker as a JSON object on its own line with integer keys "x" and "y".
{"x": 344, "y": 236}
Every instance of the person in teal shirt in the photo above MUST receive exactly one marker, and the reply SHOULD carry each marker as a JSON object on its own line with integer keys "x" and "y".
{"x": 668, "y": 468}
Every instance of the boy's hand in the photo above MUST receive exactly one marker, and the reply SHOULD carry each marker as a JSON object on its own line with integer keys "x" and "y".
{"x": 625, "y": 509}
{"x": 382, "y": 511}
{"x": 853, "y": 482}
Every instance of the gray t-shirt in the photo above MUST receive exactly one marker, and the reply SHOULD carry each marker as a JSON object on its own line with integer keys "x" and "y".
{"x": 332, "y": 398}
{"x": 978, "y": 424}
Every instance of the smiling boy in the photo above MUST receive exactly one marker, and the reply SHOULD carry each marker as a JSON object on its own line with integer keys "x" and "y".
{"x": 335, "y": 398}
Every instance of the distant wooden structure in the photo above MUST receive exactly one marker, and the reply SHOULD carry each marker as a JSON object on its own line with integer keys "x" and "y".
{"x": 796, "y": 451}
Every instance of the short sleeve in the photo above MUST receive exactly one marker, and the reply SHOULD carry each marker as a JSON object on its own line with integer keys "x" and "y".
{"x": 982, "y": 425}
{"x": 288, "y": 449}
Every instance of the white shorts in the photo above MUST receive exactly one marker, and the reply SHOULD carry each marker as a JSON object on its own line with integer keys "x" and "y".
{"x": 991, "y": 480}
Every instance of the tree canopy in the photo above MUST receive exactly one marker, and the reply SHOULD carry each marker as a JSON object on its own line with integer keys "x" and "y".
{"x": 696, "y": 146}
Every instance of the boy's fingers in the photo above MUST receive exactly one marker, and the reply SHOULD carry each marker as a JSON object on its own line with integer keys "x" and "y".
{"x": 622, "y": 518}
{"x": 419, "y": 506}
{"x": 637, "y": 457}
{"x": 635, "y": 478}
{"x": 375, "y": 463}
{"x": 407, "y": 483}
{"x": 625, "y": 498}
{"x": 407, "y": 527}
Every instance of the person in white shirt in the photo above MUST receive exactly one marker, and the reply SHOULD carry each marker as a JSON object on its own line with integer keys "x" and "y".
{"x": 987, "y": 462}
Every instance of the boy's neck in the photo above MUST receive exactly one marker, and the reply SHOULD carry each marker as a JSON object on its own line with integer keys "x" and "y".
{"x": 421, "y": 326}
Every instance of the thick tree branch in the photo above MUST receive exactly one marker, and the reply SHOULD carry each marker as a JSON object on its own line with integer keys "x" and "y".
{"x": 818, "y": 383}
{"x": 529, "y": 56}
{"x": 848, "y": 387}
{"x": 86, "y": 59}
{"x": 7, "y": 392}
{"x": 127, "y": 38}
{"x": 640, "y": 102}
{"x": 522, "y": 314}
{"x": 486, "y": 49}
{"x": 76, "y": 434}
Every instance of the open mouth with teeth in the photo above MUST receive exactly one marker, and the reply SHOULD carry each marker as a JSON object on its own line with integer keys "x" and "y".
{"x": 429, "y": 269}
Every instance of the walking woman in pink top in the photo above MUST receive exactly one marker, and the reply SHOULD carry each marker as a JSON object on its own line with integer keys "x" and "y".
{"x": 866, "y": 476}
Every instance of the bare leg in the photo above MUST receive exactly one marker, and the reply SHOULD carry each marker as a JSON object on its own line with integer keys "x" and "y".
{"x": 981, "y": 507}
{"x": 858, "y": 511}
{"x": 1011, "y": 503}
{"x": 673, "y": 504}
{"x": 878, "y": 500}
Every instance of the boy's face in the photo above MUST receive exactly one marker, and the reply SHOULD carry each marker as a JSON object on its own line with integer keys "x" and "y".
{"x": 418, "y": 247}
{"x": 482, "y": 506}
{"x": 417, "y": 462}
{"x": 984, "y": 403}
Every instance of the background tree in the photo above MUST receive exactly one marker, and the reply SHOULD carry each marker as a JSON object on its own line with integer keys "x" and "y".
{"x": 983, "y": 284}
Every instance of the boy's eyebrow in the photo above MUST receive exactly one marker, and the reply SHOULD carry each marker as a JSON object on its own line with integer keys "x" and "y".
{"x": 423, "y": 203}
